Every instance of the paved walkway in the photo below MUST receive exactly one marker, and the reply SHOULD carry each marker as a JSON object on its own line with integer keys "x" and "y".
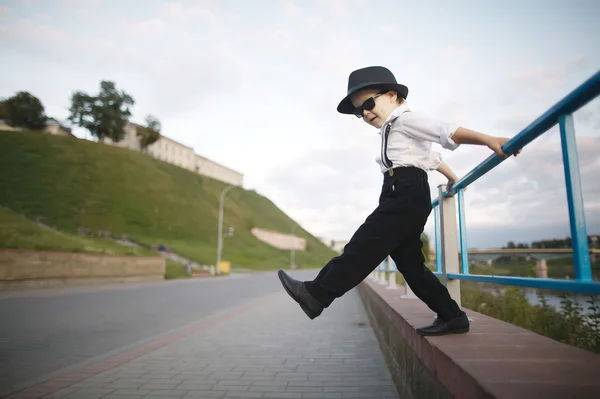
{"x": 266, "y": 348}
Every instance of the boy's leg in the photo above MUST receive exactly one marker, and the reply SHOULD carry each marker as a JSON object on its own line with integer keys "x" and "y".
{"x": 390, "y": 223}
{"x": 410, "y": 261}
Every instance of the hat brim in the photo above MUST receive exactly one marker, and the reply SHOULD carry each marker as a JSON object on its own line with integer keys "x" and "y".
{"x": 345, "y": 106}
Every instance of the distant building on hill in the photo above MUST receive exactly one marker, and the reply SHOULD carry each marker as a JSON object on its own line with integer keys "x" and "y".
{"x": 175, "y": 153}
{"x": 52, "y": 127}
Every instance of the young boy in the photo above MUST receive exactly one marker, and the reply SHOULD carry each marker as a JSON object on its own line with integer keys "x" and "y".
{"x": 394, "y": 228}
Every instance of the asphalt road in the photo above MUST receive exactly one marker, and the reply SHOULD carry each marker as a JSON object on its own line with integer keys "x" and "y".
{"x": 46, "y": 332}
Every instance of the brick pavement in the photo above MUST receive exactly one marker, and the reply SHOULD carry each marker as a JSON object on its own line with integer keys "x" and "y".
{"x": 267, "y": 350}
{"x": 52, "y": 330}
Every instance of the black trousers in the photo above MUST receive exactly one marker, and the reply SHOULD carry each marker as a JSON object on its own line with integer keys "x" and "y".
{"x": 394, "y": 228}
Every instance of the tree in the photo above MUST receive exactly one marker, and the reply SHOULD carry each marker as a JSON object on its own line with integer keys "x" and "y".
{"x": 24, "y": 110}
{"x": 4, "y": 111}
{"x": 425, "y": 248}
{"x": 104, "y": 115}
{"x": 150, "y": 133}
{"x": 153, "y": 123}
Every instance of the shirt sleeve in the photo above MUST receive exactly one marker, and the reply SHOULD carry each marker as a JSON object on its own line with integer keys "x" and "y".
{"x": 435, "y": 159}
{"x": 422, "y": 127}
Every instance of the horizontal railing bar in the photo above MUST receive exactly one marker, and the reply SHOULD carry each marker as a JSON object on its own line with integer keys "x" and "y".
{"x": 584, "y": 287}
{"x": 528, "y": 250}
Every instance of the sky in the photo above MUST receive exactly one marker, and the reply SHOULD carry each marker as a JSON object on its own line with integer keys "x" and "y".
{"x": 254, "y": 85}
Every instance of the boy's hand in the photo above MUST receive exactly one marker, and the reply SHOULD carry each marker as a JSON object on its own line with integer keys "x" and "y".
{"x": 495, "y": 144}
{"x": 451, "y": 182}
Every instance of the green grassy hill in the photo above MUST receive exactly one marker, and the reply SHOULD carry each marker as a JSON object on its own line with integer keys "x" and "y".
{"x": 73, "y": 183}
{"x": 18, "y": 232}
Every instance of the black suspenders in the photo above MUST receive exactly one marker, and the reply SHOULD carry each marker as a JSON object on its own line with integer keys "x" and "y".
{"x": 384, "y": 142}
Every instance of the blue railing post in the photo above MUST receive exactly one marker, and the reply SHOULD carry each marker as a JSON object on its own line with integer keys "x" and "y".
{"x": 438, "y": 246}
{"x": 579, "y": 241}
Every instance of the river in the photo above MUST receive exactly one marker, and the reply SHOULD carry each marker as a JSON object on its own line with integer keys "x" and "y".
{"x": 554, "y": 300}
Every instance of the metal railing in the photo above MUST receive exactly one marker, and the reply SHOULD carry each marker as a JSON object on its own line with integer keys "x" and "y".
{"x": 451, "y": 239}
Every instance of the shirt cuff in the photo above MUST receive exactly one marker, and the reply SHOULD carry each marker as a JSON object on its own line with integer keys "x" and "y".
{"x": 446, "y": 137}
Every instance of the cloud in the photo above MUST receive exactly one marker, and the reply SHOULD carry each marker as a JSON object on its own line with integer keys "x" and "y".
{"x": 454, "y": 53}
{"x": 524, "y": 198}
{"x": 587, "y": 118}
{"x": 82, "y": 13}
{"x": 508, "y": 106}
{"x": 291, "y": 9}
{"x": 332, "y": 192}
{"x": 536, "y": 88}
{"x": 189, "y": 11}
{"x": 386, "y": 29}
{"x": 92, "y": 3}
{"x": 281, "y": 77}
{"x": 512, "y": 123}
{"x": 27, "y": 32}
{"x": 544, "y": 78}
{"x": 336, "y": 8}
{"x": 149, "y": 26}
{"x": 530, "y": 190}
{"x": 482, "y": 237}
{"x": 186, "y": 73}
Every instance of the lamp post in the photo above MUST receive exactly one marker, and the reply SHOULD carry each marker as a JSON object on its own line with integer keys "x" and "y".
{"x": 220, "y": 237}
{"x": 292, "y": 260}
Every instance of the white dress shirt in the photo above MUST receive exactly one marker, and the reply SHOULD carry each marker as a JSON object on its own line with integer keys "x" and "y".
{"x": 406, "y": 139}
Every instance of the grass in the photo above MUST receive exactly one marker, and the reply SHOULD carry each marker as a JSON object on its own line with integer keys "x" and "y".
{"x": 73, "y": 183}
{"x": 175, "y": 270}
{"x": 18, "y": 232}
{"x": 567, "y": 324}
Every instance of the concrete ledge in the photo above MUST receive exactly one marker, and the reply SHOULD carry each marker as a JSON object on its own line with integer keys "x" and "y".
{"x": 21, "y": 269}
{"x": 494, "y": 360}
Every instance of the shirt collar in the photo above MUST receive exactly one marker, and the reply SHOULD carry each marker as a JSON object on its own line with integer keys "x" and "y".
{"x": 394, "y": 114}
{"x": 397, "y": 112}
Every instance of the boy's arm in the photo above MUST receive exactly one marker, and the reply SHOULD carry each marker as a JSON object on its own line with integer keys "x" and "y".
{"x": 448, "y": 135}
{"x": 450, "y": 175}
{"x": 446, "y": 171}
{"x": 468, "y": 136}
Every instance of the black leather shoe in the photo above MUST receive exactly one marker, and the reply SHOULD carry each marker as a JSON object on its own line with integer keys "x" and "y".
{"x": 458, "y": 325}
{"x": 297, "y": 290}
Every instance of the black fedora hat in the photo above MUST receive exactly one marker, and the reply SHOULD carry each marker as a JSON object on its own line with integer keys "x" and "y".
{"x": 373, "y": 77}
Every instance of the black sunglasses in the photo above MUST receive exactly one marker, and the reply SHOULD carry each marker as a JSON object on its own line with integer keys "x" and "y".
{"x": 368, "y": 105}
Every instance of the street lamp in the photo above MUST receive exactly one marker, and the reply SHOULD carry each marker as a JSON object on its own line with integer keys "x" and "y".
{"x": 292, "y": 260}
{"x": 220, "y": 237}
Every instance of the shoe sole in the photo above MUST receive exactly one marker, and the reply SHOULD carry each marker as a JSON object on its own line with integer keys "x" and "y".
{"x": 308, "y": 313}
{"x": 458, "y": 331}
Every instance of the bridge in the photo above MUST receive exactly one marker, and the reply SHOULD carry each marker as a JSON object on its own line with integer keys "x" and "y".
{"x": 241, "y": 337}
{"x": 487, "y": 257}
{"x": 536, "y": 253}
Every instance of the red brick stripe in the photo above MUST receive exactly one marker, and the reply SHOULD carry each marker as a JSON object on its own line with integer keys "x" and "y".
{"x": 56, "y": 384}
